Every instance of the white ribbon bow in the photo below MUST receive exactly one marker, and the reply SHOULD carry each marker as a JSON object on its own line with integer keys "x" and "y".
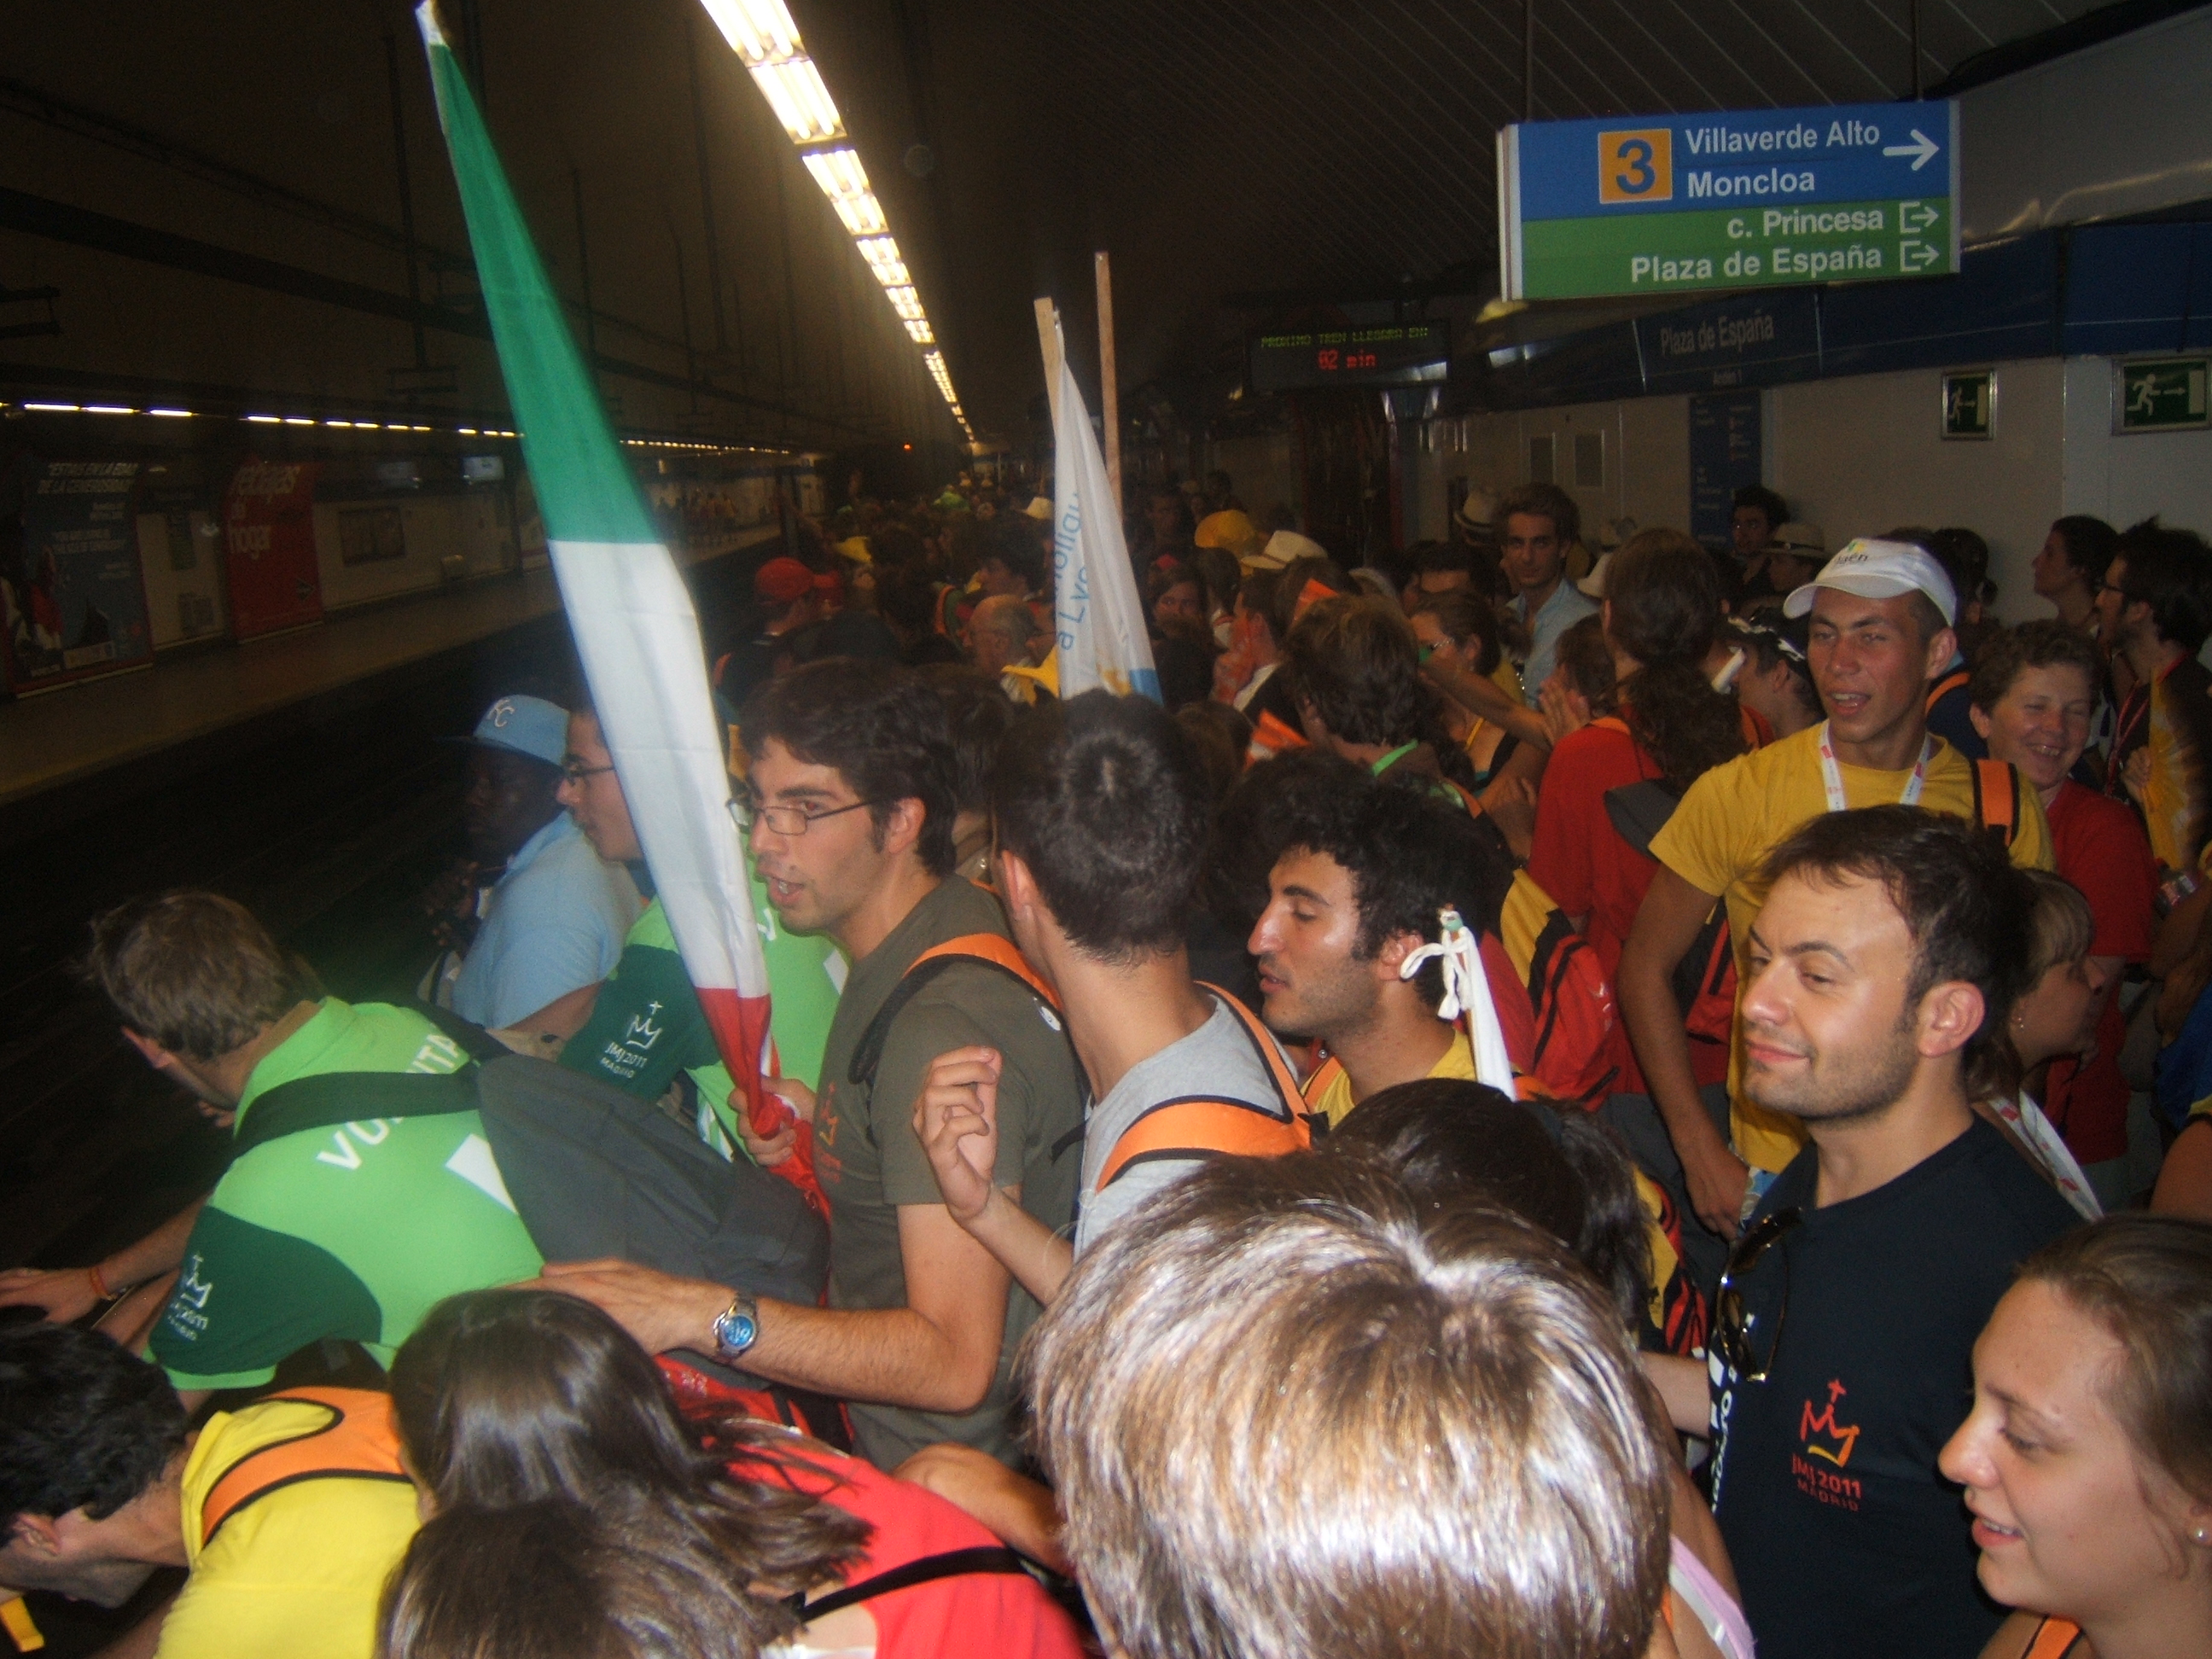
{"x": 1466, "y": 994}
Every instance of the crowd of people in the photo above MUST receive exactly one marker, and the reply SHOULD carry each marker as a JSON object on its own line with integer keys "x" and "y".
{"x": 1545, "y": 1099}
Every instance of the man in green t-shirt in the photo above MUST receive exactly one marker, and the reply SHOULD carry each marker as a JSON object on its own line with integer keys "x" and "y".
{"x": 852, "y": 793}
{"x": 350, "y": 1231}
{"x": 646, "y": 1025}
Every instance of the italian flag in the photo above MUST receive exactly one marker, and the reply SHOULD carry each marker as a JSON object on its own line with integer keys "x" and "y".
{"x": 629, "y": 611}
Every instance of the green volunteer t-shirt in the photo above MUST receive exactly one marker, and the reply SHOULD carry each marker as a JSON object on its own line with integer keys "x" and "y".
{"x": 647, "y": 1025}
{"x": 870, "y": 1161}
{"x": 353, "y": 1232}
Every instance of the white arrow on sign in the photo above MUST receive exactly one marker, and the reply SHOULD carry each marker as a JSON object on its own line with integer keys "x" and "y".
{"x": 1917, "y": 256}
{"x": 1922, "y": 150}
{"x": 1916, "y": 216}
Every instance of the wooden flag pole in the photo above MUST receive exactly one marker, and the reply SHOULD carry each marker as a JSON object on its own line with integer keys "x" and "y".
{"x": 1110, "y": 394}
{"x": 1048, "y": 322}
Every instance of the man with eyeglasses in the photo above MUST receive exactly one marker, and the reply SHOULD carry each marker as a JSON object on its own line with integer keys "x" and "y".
{"x": 1880, "y": 974}
{"x": 642, "y": 1026}
{"x": 851, "y": 793}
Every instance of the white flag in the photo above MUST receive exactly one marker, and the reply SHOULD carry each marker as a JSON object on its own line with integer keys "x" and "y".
{"x": 1100, "y": 618}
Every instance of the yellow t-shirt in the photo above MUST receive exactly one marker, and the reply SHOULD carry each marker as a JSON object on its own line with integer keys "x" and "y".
{"x": 1335, "y": 1098}
{"x": 295, "y": 1574}
{"x": 1736, "y": 814}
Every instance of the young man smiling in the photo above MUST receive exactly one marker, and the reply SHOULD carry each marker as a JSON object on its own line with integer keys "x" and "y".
{"x": 852, "y": 792}
{"x": 1881, "y": 625}
{"x": 1877, "y": 983}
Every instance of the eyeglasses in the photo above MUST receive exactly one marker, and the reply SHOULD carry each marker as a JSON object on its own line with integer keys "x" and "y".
{"x": 575, "y": 771}
{"x": 1733, "y": 1338}
{"x": 787, "y": 820}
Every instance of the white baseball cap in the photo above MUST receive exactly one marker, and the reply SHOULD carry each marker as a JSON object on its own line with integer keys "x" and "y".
{"x": 1880, "y": 570}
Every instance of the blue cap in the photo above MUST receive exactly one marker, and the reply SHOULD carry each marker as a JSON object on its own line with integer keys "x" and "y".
{"x": 524, "y": 725}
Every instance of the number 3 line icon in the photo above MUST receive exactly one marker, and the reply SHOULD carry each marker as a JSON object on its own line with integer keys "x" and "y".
{"x": 1637, "y": 166}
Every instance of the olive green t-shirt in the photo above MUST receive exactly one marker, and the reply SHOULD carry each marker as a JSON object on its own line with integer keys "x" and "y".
{"x": 870, "y": 1161}
{"x": 353, "y": 1232}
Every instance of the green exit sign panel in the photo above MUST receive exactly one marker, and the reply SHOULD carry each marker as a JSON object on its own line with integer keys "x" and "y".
{"x": 2161, "y": 395}
{"x": 1970, "y": 403}
{"x": 1638, "y": 205}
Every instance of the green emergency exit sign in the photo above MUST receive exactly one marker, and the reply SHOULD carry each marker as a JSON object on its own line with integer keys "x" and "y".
{"x": 2161, "y": 394}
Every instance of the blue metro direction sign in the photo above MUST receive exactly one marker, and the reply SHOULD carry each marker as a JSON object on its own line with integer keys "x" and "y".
{"x": 1663, "y": 204}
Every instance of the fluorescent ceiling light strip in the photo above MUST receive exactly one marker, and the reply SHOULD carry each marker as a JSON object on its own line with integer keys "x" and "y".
{"x": 172, "y": 414}
{"x": 108, "y": 408}
{"x": 53, "y": 409}
{"x": 767, "y": 41}
{"x": 758, "y": 31}
{"x": 794, "y": 91}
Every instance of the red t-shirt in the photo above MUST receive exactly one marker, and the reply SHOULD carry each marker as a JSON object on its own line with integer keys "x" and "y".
{"x": 1581, "y": 860}
{"x": 991, "y": 1615}
{"x": 2099, "y": 845}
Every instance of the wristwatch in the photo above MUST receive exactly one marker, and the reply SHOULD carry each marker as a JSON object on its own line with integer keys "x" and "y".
{"x": 736, "y": 1328}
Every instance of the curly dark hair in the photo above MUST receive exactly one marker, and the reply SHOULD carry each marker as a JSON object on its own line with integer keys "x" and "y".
{"x": 881, "y": 726}
{"x": 1664, "y": 609}
{"x": 2007, "y": 652}
{"x": 1409, "y": 855}
{"x": 83, "y": 1426}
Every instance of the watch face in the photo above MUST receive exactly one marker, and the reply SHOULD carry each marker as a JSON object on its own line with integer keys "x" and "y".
{"x": 735, "y": 1332}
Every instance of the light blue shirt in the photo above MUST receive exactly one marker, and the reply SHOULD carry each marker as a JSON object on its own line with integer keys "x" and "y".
{"x": 1568, "y": 606}
{"x": 556, "y": 922}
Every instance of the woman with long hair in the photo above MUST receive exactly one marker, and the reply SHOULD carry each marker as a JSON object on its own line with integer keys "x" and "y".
{"x": 1662, "y": 614}
{"x": 2088, "y": 1457}
{"x": 509, "y": 1402}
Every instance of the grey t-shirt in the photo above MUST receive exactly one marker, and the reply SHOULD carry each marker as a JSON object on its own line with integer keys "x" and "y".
{"x": 1218, "y": 1061}
{"x": 870, "y": 1161}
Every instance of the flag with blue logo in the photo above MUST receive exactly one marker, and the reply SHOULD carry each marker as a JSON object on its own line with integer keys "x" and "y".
{"x": 1096, "y": 610}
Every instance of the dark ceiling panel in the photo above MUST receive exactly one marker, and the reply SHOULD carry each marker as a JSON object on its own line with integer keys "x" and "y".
{"x": 1338, "y": 148}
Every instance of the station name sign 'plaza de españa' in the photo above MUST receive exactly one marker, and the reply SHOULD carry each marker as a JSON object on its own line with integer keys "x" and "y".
{"x": 1665, "y": 204}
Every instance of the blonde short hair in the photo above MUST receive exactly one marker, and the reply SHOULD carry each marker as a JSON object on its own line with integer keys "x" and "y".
{"x": 1288, "y": 1413}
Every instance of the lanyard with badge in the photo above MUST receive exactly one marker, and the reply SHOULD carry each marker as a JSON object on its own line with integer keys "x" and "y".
{"x": 1833, "y": 777}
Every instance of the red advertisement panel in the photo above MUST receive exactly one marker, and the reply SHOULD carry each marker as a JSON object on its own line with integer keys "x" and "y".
{"x": 268, "y": 528}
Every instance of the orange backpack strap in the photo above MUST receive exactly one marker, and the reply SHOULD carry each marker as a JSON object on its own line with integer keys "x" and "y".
{"x": 1196, "y": 1126}
{"x": 1263, "y": 1043}
{"x": 2054, "y": 1637}
{"x": 1940, "y": 688}
{"x": 358, "y": 1441}
{"x": 1325, "y": 1075}
{"x": 991, "y": 950}
{"x": 1997, "y": 797}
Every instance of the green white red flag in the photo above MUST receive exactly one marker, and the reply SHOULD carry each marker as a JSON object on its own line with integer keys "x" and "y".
{"x": 629, "y": 611}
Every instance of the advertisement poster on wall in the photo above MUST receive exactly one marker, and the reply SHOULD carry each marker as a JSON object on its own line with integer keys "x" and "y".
{"x": 71, "y": 590}
{"x": 268, "y": 528}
